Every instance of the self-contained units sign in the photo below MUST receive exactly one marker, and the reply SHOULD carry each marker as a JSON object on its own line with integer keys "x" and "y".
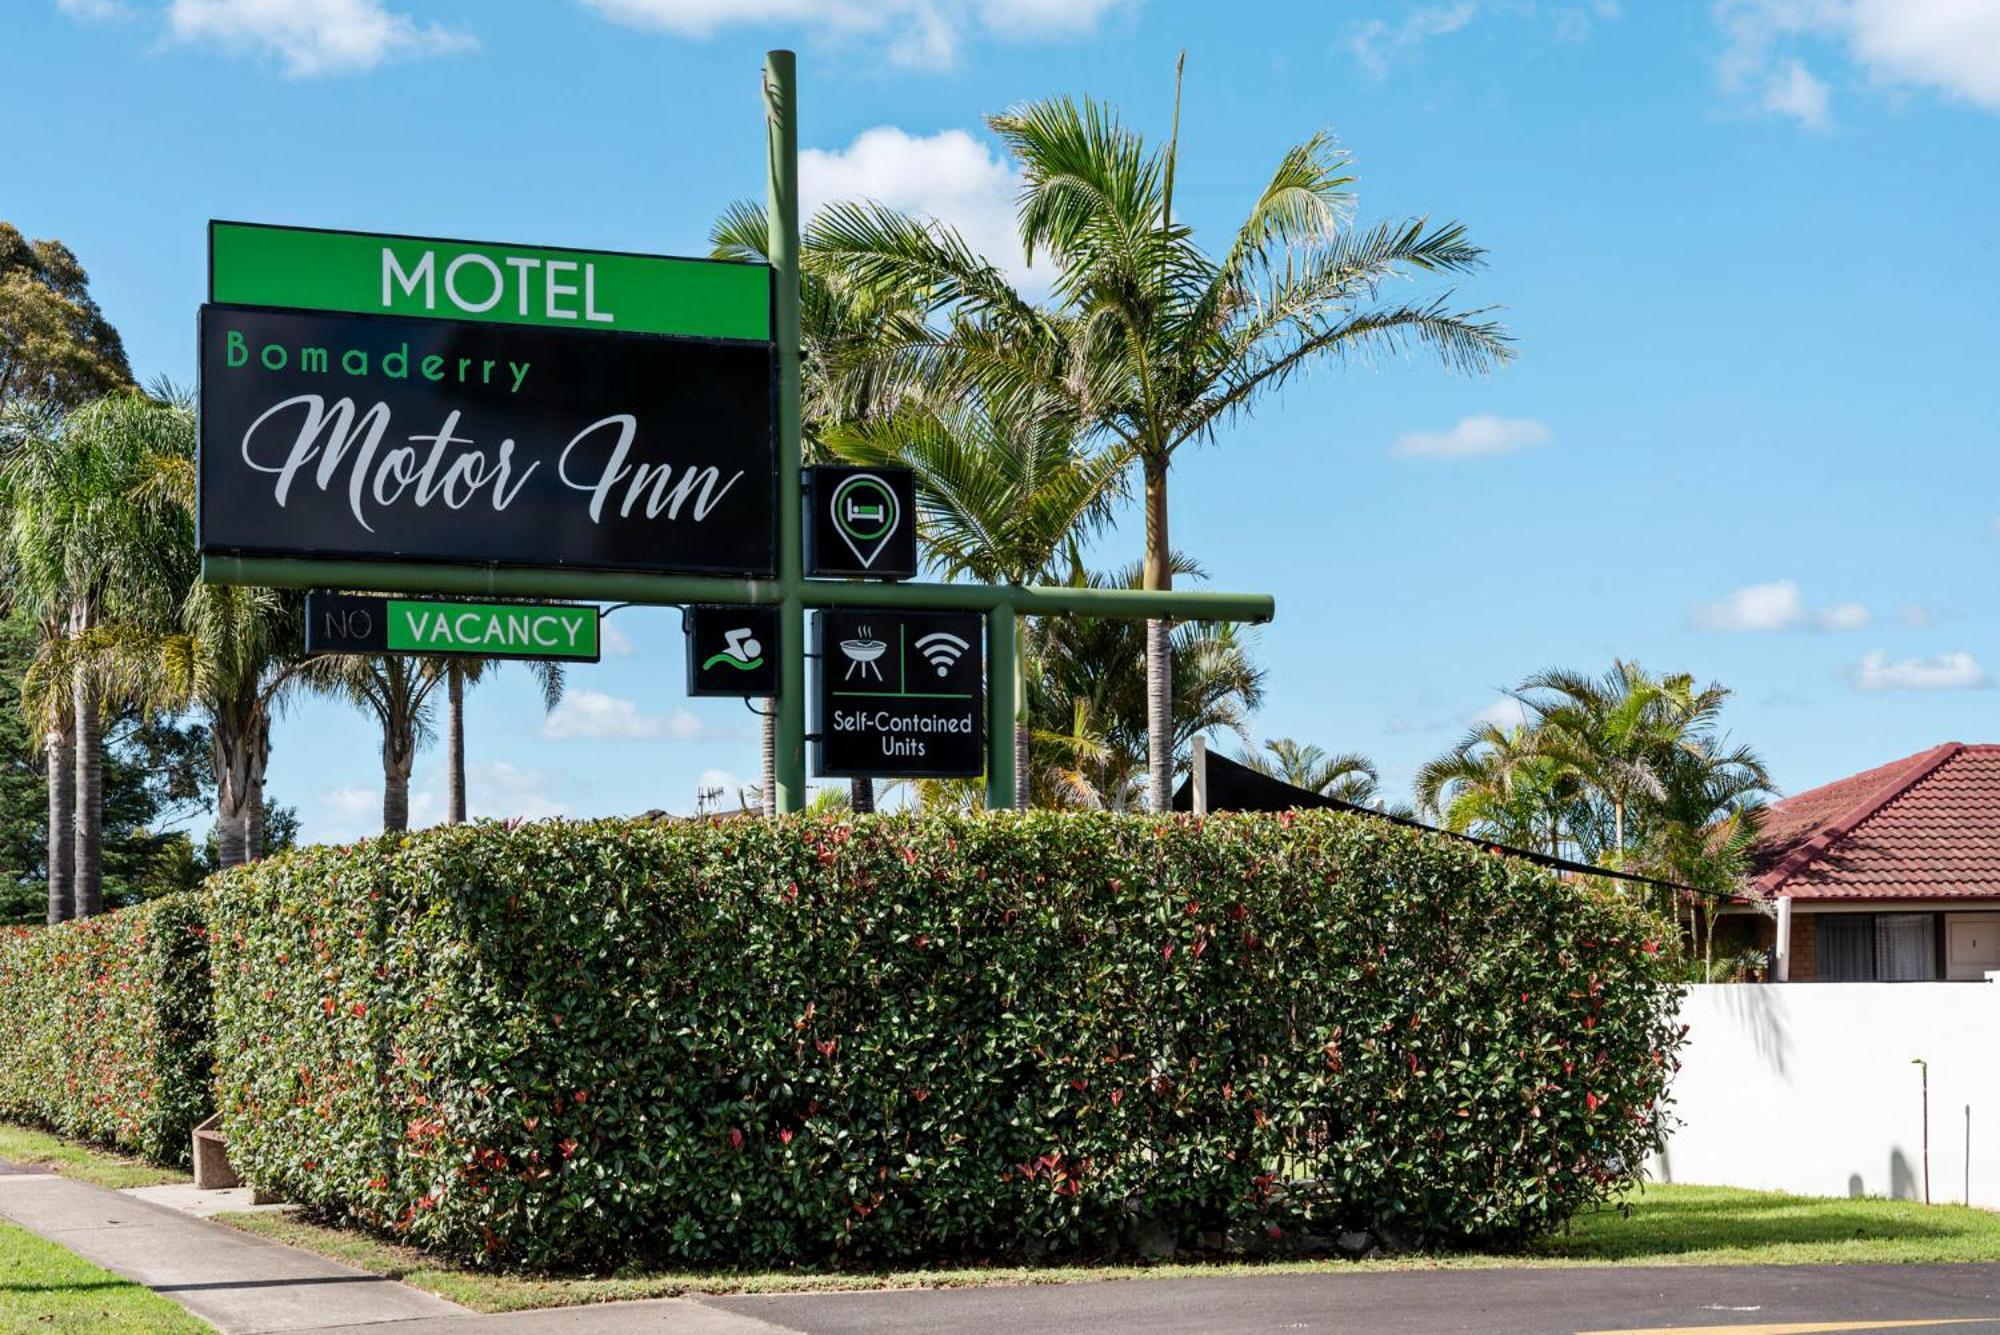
{"x": 901, "y": 694}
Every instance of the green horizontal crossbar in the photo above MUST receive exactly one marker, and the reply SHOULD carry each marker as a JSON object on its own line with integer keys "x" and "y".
{"x": 614, "y": 586}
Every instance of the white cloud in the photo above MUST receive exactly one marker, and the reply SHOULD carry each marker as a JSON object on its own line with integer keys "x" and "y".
{"x": 1481, "y": 436}
{"x": 614, "y": 641}
{"x": 1843, "y": 616}
{"x": 908, "y": 32}
{"x": 1949, "y": 46}
{"x": 1506, "y": 712}
{"x": 1794, "y": 91}
{"x": 598, "y": 717}
{"x": 1916, "y": 616}
{"x": 93, "y": 10}
{"x": 503, "y": 791}
{"x": 1374, "y": 42}
{"x": 312, "y": 38}
{"x": 349, "y": 804}
{"x": 1778, "y": 605}
{"x": 1946, "y": 672}
{"x": 595, "y": 716}
{"x": 950, "y": 176}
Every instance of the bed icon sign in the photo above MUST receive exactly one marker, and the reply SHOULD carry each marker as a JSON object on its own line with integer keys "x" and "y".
{"x": 863, "y": 522}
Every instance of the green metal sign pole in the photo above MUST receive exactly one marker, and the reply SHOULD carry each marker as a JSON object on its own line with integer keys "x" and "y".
{"x": 781, "y": 113}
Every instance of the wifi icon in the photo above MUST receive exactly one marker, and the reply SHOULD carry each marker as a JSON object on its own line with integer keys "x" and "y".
{"x": 942, "y": 650}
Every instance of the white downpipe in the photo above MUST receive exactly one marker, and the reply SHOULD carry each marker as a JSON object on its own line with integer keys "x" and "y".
{"x": 1782, "y": 969}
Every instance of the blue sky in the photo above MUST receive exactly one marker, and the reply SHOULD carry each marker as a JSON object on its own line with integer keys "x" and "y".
{"x": 1746, "y": 248}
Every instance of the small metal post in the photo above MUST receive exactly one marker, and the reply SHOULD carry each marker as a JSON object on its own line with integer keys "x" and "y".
{"x": 1002, "y": 706}
{"x": 1198, "y": 775}
{"x": 781, "y": 115}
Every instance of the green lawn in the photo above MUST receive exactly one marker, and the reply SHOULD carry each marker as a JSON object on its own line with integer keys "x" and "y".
{"x": 84, "y": 1163}
{"x": 43, "y": 1287}
{"x": 1661, "y": 1226}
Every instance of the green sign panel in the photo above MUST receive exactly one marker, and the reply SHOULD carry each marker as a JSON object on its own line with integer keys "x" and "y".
{"x": 372, "y": 274}
{"x": 370, "y": 624}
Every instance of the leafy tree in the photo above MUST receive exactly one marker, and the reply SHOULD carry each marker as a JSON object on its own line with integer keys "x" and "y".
{"x": 1153, "y": 341}
{"x": 1347, "y": 776}
{"x": 55, "y": 345}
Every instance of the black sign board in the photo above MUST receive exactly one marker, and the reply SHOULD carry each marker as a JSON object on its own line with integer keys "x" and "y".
{"x": 901, "y": 694}
{"x": 381, "y": 437}
{"x": 732, "y": 650}
{"x": 862, "y": 522}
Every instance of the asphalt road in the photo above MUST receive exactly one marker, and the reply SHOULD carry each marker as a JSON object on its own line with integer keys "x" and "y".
{"x": 1712, "y": 1300}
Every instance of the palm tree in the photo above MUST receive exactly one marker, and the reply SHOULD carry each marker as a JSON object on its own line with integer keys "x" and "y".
{"x": 92, "y": 556}
{"x": 396, "y": 690}
{"x": 1087, "y": 693}
{"x": 459, "y": 674}
{"x": 1624, "y": 732}
{"x": 240, "y": 651}
{"x": 1495, "y": 783}
{"x": 1154, "y": 342}
{"x": 999, "y": 497}
{"x": 235, "y": 655}
{"x": 1348, "y": 776}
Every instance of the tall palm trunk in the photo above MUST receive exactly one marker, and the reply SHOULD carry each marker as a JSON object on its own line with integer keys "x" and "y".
{"x": 232, "y": 753}
{"x": 60, "y": 851}
{"x": 770, "y": 757}
{"x": 454, "y": 745}
{"x": 1021, "y": 729}
{"x": 260, "y": 760}
{"x": 395, "y": 790}
{"x": 1021, "y": 766}
{"x": 89, "y": 814}
{"x": 1159, "y": 647}
{"x": 399, "y": 754}
{"x": 861, "y": 795}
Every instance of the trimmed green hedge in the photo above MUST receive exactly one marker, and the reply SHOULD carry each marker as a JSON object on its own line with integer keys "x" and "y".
{"x": 105, "y": 1031}
{"x": 841, "y": 1040}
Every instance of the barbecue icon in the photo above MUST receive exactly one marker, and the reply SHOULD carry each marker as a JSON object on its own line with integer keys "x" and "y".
{"x": 862, "y": 653}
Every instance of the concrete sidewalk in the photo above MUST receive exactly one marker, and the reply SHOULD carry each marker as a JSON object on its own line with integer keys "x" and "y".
{"x": 238, "y": 1282}
{"x": 161, "y": 1237}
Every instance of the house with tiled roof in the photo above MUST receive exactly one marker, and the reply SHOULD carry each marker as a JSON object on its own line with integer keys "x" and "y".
{"x": 1890, "y": 875}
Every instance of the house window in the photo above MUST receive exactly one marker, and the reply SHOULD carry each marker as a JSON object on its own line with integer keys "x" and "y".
{"x": 1906, "y": 947}
{"x": 1844, "y": 948}
{"x": 1875, "y": 947}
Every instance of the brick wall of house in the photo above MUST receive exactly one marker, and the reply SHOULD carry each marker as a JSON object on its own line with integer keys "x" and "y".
{"x": 1802, "y": 943}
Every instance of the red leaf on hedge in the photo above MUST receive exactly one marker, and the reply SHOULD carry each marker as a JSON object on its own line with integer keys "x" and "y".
{"x": 785, "y": 1136}
{"x": 1117, "y": 1097}
{"x": 1167, "y": 951}
{"x": 735, "y": 1138}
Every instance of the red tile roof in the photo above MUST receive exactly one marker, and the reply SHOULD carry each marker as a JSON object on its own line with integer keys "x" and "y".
{"x": 1924, "y": 827}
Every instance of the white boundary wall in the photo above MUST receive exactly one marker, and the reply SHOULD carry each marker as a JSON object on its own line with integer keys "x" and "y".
{"x": 1810, "y": 1088}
